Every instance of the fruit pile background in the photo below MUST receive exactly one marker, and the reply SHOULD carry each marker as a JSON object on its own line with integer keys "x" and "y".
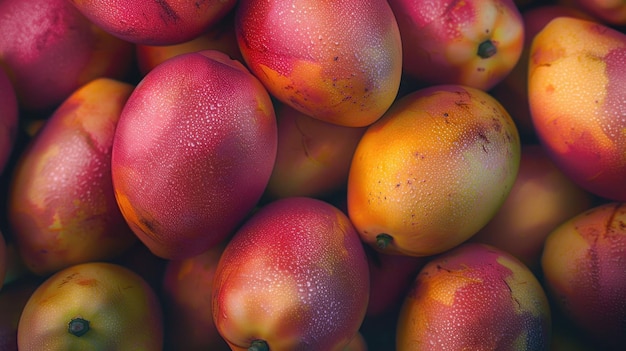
{"x": 364, "y": 185}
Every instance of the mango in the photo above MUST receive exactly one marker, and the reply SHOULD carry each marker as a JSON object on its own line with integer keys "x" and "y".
{"x": 193, "y": 152}
{"x": 576, "y": 88}
{"x": 340, "y": 62}
{"x": 62, "y": 209}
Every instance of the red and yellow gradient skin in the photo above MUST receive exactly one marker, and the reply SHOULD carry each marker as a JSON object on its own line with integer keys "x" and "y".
{"x": 8, "y": 119}
{"x": 123, "y": 311}
{"x": 163, "y": 22}
{"x": 584, "y": 267}
{"x": 441, "y": 39}
{"x": 188, "y": 306}
{"x": 475, "y": 297}
{"x": 62, "y": 209}
{"x": 193, "y": 152}
{"x": 432, "y": 171}
{"x": 338, "y": 61}
{"x": 313, "y": 156}
{"x": 576, "y": 89}
{"x": 49, "y": 49}
{"x": 295, "y": 275}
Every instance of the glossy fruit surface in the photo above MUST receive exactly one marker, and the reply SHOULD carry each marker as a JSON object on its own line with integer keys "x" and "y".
{"x": 62, "y": 208}
{"x": 92, "y": 306}
{"x": 193, "y": 152}
{"x": 339, "y": 61}
{"x": 433, "y": 171}
{"x": 475, "y": 297}
{"x": 162, "y": 22}
{"x": 293, "y": 277}
{"x": 473, "y": 42}
{"x": 580, "y": 125}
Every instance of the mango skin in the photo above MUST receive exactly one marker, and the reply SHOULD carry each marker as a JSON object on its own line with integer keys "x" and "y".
{"x": 313, "y": 156}
{"x": 584, "y": 269}
{"x": 62, "y": 209}
{"x": 295, "y": 275}
{"x": 162, "y": 22}
{"x": 581, "y": 125}
{"x": 49, "y": 49}
{"x": 124, "y": 312}
{"x": 340, "y": 62}
{"x": 432, "y": 171}
{"x": 440, "y": 40}
{"x": 193, "y": 152}
{"x": 475, "y": 297}
{"x": 8, "y": 119}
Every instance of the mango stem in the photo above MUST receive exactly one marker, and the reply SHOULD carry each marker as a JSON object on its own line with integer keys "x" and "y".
{"x": 383, "y": 240}
{"x": 78, "y": 326}
{"x": 486, "y": 49}
{"x": 259, "y": 345}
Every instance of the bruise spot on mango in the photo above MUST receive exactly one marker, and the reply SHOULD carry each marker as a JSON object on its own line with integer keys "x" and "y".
{"x": 87, "y": 282}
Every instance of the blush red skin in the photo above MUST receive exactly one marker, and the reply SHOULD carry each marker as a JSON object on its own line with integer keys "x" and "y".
{"x": 429, "y": 27}
{"x": 193, "y": 152}
{"x": 355, "y": 45}
{"x": 297, "y": 240}
{"x": 160, "y": 22}
{"x": 62, "y": 209}
{"x": 482, "y": 314}
{"x": 50, "y": 49}
{"x": 584, "y": 272}
{"x": 8, "y": 119}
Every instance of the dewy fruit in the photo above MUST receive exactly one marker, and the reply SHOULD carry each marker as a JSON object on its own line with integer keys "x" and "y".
{"x": 432, "y": 171}
{"x": 471, "y": 42}
{"x": 62, "y": 209}
{"x": 576, "y": 89}
{"x": 193, "y": 152}
{"x": 338, "y": 61}
{"x": 294, "y": 277}
{"x": 475, "y": 297}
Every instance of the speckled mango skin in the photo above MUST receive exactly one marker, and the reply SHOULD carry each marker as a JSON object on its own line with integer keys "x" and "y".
{"x": 295, "y": 275}
{"x": 433, "y": 170}
{"x": 576, "y": 89}
{"x": 440, "y": 40}
{"x": 162, "y": 22}
{"x": 62, "y": 209}
{"x": 49, "y": 49}
{"x": 584, "y": 267}
{"x": 339, "y": 61}
{"x": 193, "y": 152}
{"x": 475, "y": 297}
